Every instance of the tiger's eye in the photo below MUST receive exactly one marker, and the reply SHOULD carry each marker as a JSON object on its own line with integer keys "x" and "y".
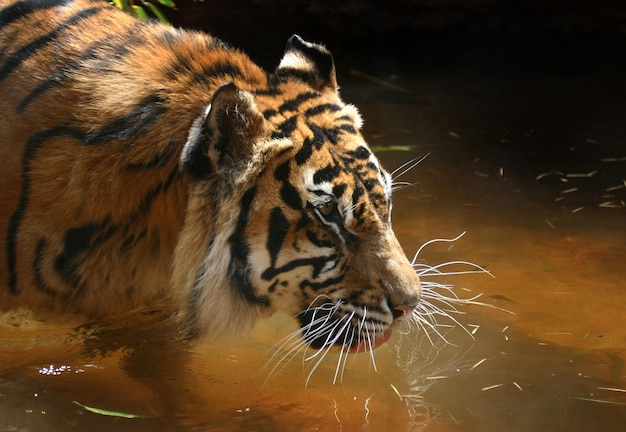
{"x": 327, "y": 208}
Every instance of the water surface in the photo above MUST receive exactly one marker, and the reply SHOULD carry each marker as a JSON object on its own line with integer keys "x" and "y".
{"x": 529, "y": 162}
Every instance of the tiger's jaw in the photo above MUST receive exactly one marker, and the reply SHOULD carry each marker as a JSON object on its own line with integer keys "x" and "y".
{"x": 324, "y": 326}
{"x": 350, "y": 327}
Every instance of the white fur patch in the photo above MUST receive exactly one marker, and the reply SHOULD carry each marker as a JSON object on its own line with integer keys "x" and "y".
{"x": 294, "y": 60}
{"x": 310, "y": 185}
{"x": 353, "y": 112}
{"x": 194, "y": 133}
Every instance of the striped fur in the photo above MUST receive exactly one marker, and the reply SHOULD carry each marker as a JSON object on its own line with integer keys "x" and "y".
{"x": 143, "y": 163}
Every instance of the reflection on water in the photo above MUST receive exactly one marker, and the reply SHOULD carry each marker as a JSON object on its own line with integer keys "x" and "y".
{"x": 556, "y": 363}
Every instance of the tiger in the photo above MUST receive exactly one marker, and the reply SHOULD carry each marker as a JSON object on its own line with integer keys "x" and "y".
{"x": 145, "y": 164}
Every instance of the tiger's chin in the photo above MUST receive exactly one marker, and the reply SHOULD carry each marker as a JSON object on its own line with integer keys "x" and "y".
{"x": 370, "y": 345}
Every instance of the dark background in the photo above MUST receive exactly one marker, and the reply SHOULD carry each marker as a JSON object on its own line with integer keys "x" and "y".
{"x": 496, "y": 28}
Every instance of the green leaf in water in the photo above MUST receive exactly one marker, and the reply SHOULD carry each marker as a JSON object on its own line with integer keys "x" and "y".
{"x": 109, "y": 413}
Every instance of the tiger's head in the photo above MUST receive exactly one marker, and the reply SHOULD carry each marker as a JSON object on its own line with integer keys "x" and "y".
{"x": 290, "y": 210}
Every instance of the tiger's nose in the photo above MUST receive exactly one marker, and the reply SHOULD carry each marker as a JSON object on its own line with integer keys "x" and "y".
{"x": 401, "y": 311}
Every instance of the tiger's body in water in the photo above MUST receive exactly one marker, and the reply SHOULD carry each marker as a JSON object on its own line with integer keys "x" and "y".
{"x": 143, "y": 163}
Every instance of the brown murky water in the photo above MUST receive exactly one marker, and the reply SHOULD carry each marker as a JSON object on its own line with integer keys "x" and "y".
{"x": 529, "y": 163}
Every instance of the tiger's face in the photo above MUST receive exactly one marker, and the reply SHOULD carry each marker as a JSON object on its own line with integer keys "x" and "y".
{"x": 327, "y": 253}
{"x": 313, "y": 237}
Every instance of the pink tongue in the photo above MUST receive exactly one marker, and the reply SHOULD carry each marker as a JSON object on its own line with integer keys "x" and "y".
{"x": 364, "y": 345}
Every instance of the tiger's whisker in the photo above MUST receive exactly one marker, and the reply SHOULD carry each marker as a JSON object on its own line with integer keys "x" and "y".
{"x": 437, "y": 240}
{"x": 435, "y": 269}
{"x": 407, "y": 166}
{"x": 328, "y": 345}
{"x": 439, "y": 311}
{"x": 343, "y": 354}
{"x": 428, "y": 327}
{"x": 294, "y": 342}
{"x": 369, "y": 337}
{"x": 396, "y": 186}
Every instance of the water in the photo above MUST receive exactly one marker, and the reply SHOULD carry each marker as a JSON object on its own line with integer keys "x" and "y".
{"x": 526, "y": 161}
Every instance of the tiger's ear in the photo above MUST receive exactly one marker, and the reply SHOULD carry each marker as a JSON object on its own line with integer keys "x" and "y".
{"x": 312, "y": 63}
{"x": 223, "y": 137}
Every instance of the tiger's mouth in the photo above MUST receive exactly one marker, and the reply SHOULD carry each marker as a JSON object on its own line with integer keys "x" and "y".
{"x": 354, "y": 329}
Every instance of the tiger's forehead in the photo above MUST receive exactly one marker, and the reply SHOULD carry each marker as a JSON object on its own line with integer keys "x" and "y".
{"x": 307, "y": 114}
{"x": 330, "y": 157}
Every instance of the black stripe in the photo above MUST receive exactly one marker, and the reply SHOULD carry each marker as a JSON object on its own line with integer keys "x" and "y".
{"x": 338, "y": 190}
{"x": 322, "y": 108}
{"x": 373, "y": 166}
{"x": 316, "y": 286}
{"x": 358, "y": 209}
{"x": 269, "y": 113}
{"x": 51, "y": 81}
{"x": 271, "y": 90}
{"x": 317, "y": 262}
{"x": 31, "y": 48}
{"x": 214, "y": 70}
{"x": 60, "y": 77}
{"x": 347, "y": 160}
{"x": 89, "y": 236}
{"x": 78, "y": 240}
{"x": 239, "y": 251}
{"x": 130, "y": 126}
{"x": 318, "y": 242}
{"x": 286, "y": 128}
{"x": 293, "y": 104}
{"x": 278, "y": 229}
{"x": 311, "y": 78}
{"x": 289, "y": 193}
{"x": 272, "y": 287}
{"x": 305, "y": 152}
{"x": 370, "y": 184}
{"x": 347, "y": 128}
{"x": 32, "y": 146}
{"x": 21, "y": 9}
{"x": 322, "y": 135}
{"x": 377, "y": 198}
{"x": 326, "y": 174}
{"x": 152, "y": 193}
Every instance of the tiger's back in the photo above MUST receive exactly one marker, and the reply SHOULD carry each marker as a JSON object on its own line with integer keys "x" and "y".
{"x": 144, "y": 163}
{"x": 80, "y": 121}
